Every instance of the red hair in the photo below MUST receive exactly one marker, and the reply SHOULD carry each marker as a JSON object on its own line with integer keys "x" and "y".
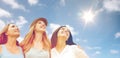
{"x": 3, "y": 36}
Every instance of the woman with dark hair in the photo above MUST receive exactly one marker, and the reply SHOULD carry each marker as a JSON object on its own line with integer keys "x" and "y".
{"x": 63, "y": 46}
{"x": 36, "y": 43}
{"x": 9, "y": 47}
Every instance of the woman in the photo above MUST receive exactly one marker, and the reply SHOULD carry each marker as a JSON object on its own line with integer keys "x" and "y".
{"x": 63, "y": 45}
{"x": 36, "y": 43}
{"x": 9, "y": 47}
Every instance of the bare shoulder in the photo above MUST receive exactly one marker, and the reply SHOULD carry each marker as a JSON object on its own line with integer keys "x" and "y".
{"x": 0, "y": 48}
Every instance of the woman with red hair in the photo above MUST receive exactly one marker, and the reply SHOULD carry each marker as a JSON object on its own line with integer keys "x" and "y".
{"x": 9, "y": 47}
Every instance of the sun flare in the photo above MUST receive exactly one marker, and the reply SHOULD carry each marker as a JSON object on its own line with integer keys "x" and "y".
{"x": 88, "y": 16}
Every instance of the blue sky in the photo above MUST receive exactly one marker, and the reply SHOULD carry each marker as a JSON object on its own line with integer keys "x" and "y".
{"x": 99, "y": 39}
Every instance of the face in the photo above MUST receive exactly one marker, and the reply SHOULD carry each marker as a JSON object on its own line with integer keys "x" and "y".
{"x": 64, "y": 32}
{"x": 13, "y": 30}
{"x": 40, "y": 26}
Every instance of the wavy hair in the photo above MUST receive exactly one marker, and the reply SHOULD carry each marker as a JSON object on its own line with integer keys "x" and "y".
{"x": 26, "y": 44}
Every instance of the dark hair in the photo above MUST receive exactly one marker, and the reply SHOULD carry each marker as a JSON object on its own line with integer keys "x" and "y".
{"x": 54, "y": 38}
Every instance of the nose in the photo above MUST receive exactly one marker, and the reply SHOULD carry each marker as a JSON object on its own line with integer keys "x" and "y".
{"x": 66, "y": 30}
{"x": 43, "y": 25}
{"x": 16, "y": 28}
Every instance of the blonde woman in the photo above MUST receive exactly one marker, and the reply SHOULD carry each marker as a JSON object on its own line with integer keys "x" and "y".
{"x": 36, "y": 43}
{"x": 9, "y": 47}
{"x": 63, "y": 46}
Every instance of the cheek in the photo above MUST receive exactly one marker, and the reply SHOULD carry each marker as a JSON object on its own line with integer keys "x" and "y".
{"x": 58, "y": 34}
{"x": 36, "y": 27}
{"x": 9, "y": 32}
{"x": 67, "y": 35}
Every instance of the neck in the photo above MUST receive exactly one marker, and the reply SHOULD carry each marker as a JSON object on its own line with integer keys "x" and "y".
{"x": 38, "y": 36}
{"x": 11, "y": 41}
{"x": 60, "y": 45}
{"x": 38, "y": 40}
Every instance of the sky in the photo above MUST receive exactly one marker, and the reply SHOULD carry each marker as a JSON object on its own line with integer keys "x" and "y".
{"x": 99, "y": 36}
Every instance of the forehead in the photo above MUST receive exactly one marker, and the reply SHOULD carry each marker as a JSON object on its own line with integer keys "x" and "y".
{"x": 40, "y": 21}
{"x": 65, "y": 28}
{"x": 12, "y": 25}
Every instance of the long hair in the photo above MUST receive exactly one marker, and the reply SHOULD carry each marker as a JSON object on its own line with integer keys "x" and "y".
{"x": 54, "y": 38}
{"x": 27, "y": 43}
{"x": 3, "y": 36}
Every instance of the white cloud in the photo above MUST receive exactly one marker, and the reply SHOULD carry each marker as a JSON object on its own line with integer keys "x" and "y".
{"x": 114, "y": 51}
{"x": 77, "y": 40}
{"x": 10, "y": 21}
{"x": 32, "y": 2}
{"x": 108, "y": 5}
{"x": 14, "y": 4}
{"x": 62, "y": 2}
{"x": 98, "y": 11}
{"x": 96, "y": 53}
{"x": 81, "y": 40}
{"x": 89, "y": 48}
{"x": 53, "y": 26}
{"x": 111, "y": 5}
{"x": 2, "y": 24}
{"x": 94, "y": 48}
{"x": 72, "y": 30}
{"x": 4, "y": 13}
{"x": 85, "y": 40}
{"x": 21, "y": 21}
{"x": 20, "y": 39}
{"x": 117, "y": 35}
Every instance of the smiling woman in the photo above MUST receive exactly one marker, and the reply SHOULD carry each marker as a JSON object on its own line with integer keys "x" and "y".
{"x": 9, "y": 47}
{"x": 63, "y": 46}
{"x": 36, "y": 43}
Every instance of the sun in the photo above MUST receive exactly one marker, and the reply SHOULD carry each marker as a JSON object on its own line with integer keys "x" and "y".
{"x": 88, "y": 16}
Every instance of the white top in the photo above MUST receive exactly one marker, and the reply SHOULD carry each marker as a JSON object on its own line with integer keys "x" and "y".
{"x": 35, "y": 53}
{"x": 70, "y": 51}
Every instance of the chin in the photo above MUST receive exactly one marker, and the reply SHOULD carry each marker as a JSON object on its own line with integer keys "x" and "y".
{"x": 17, "y": 34}
{"x": 42, "y": 30}
{"x": 62, "y": 36}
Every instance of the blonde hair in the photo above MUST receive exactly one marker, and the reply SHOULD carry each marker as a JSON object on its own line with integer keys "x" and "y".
{"x": 26, "y": 44}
